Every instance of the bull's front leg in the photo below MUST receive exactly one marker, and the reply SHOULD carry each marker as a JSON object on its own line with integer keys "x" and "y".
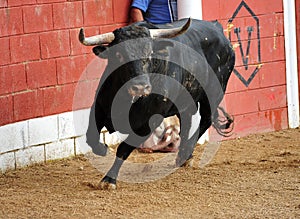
{"x": 93, "y": 132}
{"x": 110, "y": 179}
{"x": 124, "y": 150}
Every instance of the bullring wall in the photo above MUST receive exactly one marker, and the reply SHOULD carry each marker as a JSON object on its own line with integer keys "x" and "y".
{"x": 42, "y": 63}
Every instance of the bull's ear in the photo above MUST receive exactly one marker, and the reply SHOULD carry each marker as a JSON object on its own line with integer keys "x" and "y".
{"x": 162, "y": 45}
{"x": 100, "y": 51}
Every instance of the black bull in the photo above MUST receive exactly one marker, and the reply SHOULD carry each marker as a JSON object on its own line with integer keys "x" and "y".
{"x": 179, "y": 69}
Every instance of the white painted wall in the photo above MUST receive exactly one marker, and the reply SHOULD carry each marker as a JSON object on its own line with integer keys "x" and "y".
{"x": 47, "y": 138}
{"x": 189, "y": 8}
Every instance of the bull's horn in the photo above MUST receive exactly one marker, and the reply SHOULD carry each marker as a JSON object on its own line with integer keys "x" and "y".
{"x": 105, "y": 38}
{"x": 169, "y": 33}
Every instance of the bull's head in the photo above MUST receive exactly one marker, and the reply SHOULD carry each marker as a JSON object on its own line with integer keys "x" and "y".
{"x": 137, "y": 46}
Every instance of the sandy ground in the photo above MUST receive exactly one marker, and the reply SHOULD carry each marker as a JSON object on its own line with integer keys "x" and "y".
{"x": 253, "y": 177}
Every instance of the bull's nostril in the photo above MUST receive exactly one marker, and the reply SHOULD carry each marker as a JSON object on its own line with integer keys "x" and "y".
{"x": 148, "y": 87}
{"x": 140, "y": 90}
{"x": 135, "y": 88}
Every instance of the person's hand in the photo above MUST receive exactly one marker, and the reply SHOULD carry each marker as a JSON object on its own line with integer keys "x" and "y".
{"x": 136, "y": 15}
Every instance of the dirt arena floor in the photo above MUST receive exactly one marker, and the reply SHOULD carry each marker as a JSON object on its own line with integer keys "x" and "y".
{"x": 252, "y": 177}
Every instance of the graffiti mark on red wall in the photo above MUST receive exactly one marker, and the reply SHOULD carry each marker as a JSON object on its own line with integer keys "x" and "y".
{"x": 246, "y": 34}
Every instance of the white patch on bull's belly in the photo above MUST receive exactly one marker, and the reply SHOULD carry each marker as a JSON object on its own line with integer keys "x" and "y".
{"x": 158, "y": 133}
{"x": 195, "y": 122}
{"x": 122, "y": 136}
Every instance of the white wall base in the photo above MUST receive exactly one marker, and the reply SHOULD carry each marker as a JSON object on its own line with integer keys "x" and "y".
{"x": 48, "y": 138}
{"x": 36, "y": 140}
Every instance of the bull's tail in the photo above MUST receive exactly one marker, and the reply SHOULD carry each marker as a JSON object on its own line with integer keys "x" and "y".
{"x": 223, "y": 124}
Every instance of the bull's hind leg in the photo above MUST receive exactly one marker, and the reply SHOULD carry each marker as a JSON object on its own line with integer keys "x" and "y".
{"x": 198, "y": 125}
{"x": 186, "y": 149}
{"x": 189, "y": 126}
{"x": 110, "y": 179}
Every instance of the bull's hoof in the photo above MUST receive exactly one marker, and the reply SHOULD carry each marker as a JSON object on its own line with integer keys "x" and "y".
{"x": 107, "y": 183}
{"x": 100, "y": 149}
{"x": 188, "y": 163}
{"x": 185, "y": 163}
{"x": 107, "y": 186}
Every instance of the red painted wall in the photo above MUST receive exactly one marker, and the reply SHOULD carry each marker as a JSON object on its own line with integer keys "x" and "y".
{"x": 41, "y": 58}
{"x": 261, "y": 106}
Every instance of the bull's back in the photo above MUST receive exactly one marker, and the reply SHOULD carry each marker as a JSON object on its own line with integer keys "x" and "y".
{"x": 207, "y": 38}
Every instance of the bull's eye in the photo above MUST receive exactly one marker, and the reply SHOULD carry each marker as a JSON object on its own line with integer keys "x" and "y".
{"x": 155, "y": 62}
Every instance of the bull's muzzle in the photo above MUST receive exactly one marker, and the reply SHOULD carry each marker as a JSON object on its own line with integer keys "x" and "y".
{"x": 139, "y": 87}
{"x": 140, "y": 90}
